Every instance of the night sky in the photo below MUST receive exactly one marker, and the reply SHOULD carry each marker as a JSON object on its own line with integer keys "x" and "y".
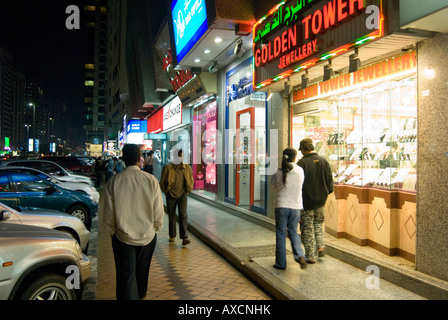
{"x": 47, "y": 52}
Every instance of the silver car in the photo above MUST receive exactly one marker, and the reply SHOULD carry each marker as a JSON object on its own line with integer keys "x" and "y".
{"x": 47, "y": 218}
{"x": 70, "y": 185}
{"x": 40, "y": 264}
{"x": 48, "y": 167}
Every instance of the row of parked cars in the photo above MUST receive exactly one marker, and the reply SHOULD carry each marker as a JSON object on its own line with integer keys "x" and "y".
{"x": 46, "y": 212}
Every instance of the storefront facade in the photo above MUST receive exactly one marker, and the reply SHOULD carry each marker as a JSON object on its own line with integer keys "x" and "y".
{"x": 245, "y": 140}
{"x": 365, "y": 124}
{"x": 350, "y": 83}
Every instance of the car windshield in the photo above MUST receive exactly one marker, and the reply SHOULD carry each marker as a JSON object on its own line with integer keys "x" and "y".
{"x": 84, "y": 161}
{"x": 69, "y": 171}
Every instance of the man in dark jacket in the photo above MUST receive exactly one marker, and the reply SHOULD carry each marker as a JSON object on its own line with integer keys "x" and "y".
{"x": 317, "y": 186}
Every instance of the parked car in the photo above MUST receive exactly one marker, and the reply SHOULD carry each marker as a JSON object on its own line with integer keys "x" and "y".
{"x": 74, "y": 164}
{"x": 35, "y": 264}
{"x": 86, "y": 159}
{"x": 74, "y": 186}
{"x": 27, "y": 190}
{"x": 47, "y": 218}
{"x": 49, "y": 167}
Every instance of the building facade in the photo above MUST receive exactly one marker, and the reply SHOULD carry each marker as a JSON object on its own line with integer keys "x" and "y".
{"x": 95, "y": 72}
{"x": 238, "y": 84}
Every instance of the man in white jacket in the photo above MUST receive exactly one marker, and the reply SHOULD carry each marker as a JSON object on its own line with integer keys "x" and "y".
{"x": 133, "y": 213}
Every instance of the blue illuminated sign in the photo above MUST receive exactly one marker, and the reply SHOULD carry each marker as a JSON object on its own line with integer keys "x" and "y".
{"x": 137, "y": 126}
{"x": 240, "y": 90}
{"x": 189, "y": 24}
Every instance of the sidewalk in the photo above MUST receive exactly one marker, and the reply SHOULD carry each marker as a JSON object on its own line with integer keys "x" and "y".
{"x": 251, "y": 248}
{"x": 247, "y": 241}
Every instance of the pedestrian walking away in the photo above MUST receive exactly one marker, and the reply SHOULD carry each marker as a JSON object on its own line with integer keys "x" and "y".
{"x": 317, "y": 186}
{"x": 177, "y": 182}
{"x": 148, "y": 164}
{"x": 157, "y": 167}
{"x": 98, "y": 172}
{"x": 120, "y": 165}
{"x": 288, "y": 182}
{"x": 133, "y": 214}
{"x": 110, "y": 168}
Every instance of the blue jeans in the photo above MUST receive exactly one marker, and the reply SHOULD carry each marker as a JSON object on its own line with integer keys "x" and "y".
{"x": 287, "y": 220}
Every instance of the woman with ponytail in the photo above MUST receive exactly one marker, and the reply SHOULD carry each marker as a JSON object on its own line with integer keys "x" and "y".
{"x": 288, "y": 181}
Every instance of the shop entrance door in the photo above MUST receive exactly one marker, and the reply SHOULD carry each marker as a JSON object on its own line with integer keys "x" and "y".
{"x": 245, "y": 157}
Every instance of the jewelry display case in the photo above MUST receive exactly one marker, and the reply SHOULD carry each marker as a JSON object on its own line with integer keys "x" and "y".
{"x": 369, "y": 136}
{"x": 376, "y": 140}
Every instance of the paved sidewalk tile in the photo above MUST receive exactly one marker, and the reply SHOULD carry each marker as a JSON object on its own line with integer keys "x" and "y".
{"x": 192, "y": 272}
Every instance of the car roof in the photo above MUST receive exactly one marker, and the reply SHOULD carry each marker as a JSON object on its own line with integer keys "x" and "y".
{"x": 29, "y": 160}
{"x": 12, "y": 168}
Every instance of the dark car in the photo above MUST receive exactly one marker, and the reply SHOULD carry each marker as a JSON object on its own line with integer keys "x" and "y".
{"x": 75, "y": 164}
{"x": 27, "y": 190}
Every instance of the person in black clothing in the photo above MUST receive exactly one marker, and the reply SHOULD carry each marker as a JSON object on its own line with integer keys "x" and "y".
{"x": 317, "y": 186}
{"x": 98, "y": 171}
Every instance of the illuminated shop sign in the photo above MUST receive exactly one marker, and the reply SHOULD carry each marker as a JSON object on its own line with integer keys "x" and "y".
{"x": 172, "y": 114}
{"x": 296, "y": 35}
{"x": 393, "y": 67}
{"x": 178, "y": 78}
{"x": 167, "y": 117}
{"x": 189, "y": 24}
{"x": 155, "y": 136}
{"x": 136, "y": 126}
{"x": 240, "y": 90}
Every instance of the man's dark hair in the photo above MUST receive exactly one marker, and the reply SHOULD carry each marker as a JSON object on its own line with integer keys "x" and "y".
{"x": 131, "y": 154}
{"x": 306, "y": 145}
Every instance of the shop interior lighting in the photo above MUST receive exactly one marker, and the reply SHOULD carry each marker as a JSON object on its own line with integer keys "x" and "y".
{"x": 197, "y": 60}
{"x": 207, "y": 51}
{"x": 218, "y": 40}
{"x": 328, "y": 70}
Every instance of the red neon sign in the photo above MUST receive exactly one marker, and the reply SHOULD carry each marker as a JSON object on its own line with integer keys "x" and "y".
{"x": 298, "y": 42}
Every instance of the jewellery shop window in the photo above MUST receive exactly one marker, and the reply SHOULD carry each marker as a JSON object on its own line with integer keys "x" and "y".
{"x": 369, "y": 135}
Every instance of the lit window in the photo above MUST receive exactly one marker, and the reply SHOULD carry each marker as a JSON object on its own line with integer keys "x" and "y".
{"x": 89, "y": 83}
{"x": 91, "y": 24}
{"x": 103, "y": 10}
{"x": 90, "y": 66}
{"x": 90, "y": 8}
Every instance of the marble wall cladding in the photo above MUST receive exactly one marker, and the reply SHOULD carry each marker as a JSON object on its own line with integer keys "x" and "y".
{"x": 432, "y": 166}
{"x": 278, "y": 119}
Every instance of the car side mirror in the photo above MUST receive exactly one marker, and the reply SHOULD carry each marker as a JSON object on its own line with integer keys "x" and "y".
{"x": 5, "y": 215}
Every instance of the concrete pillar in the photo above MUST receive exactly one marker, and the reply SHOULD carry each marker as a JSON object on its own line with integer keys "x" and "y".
{"x": 432, "y": 165}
